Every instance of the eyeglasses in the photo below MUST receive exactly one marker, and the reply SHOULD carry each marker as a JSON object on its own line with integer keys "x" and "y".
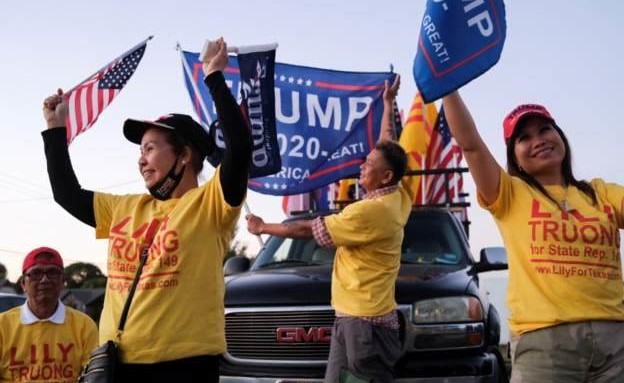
{"x": 37, "y": 275}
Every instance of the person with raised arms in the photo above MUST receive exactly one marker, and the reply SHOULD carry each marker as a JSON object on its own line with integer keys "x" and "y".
{"x": 175, "y": 329}
{"x": 562, "y": 239}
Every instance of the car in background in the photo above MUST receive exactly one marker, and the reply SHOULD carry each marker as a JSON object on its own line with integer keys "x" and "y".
{"x": 8, "y": 301}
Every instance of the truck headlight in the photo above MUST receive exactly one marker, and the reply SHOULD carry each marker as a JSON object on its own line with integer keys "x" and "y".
{"x": 446, "y": 324}
{"x": 445, "y": 310}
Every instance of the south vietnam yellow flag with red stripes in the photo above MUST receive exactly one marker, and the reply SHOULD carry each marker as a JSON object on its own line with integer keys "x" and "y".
{"x": 415, "y": 140}
{"x": 346, "y": 192}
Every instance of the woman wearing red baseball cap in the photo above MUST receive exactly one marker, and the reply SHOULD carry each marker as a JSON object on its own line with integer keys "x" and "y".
{"x": 562, "y": 239}
{"x": 175, "y": 329}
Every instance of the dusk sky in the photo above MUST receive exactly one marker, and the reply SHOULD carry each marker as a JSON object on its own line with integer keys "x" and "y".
{"x": 567, "y": 55}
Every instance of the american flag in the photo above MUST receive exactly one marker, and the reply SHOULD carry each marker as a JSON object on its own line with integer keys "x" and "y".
{"x": 443, "y": 153}
{"x": 87, "y": 100}
{"x": 321, "y": 199}
{"x": 296, "y": 203}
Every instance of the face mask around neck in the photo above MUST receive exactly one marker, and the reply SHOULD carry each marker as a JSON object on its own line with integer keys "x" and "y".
{"x": 163, "y": 189}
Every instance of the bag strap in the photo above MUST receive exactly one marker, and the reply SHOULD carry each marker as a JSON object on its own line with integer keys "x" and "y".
{"x": 149, "y": 236}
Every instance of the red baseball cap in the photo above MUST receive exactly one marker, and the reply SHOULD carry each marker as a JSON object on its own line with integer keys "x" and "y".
{"x": 31, "y": 258}
{"x": 521, "y": 111}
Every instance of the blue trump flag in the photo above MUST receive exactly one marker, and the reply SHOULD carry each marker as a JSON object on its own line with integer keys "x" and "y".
{"x": 326, "y": 121}
{"x": 459, "y": 40}
{"x": 257, "y": 73}
{"x": 257, "y": 104}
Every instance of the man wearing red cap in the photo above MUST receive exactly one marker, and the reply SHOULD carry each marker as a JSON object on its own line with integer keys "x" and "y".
{"x": 43, "y": 340}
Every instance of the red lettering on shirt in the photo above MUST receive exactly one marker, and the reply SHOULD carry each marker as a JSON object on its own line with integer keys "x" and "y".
{"x": 581, "y": 218}
{"x": 13, "y": 361}
{"x": 116, "y": 245}
{"x": 42, "y": 353}
{"x": 609, "y": 212}
{"x": 49, "y": 372}
{"x": 46, "y": 354}
{"x": 117, "y": 229}
{"x": 33, "y": 354}
{"x": 535, "y": 211}
{"x": 65, "y": 350}
{"x": 570, "y": 235}
{"x": 122, "y": 248}
{"x": 139, "y": 232}
{"x": 550, "y": 227}
{"x": 170, "y": 241}
{"x": 589, "y": 234}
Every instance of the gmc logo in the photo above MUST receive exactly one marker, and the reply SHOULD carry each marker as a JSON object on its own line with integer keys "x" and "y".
{"x": 300, "y": 335}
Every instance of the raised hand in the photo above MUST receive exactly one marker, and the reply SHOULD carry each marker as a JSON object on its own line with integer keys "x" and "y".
{"x": 391, "y": 91}
{"x": 387, "y": 132}
{"x": 55, "y": 110}
{"x": 216, "y": 57}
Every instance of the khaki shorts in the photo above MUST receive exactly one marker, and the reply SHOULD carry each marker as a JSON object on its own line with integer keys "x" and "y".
{"x": 591, "y": 351}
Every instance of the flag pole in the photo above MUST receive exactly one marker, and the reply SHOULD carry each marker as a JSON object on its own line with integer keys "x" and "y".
{"x": 112, "y": 61}
{"x": 189, "y": 74}
{"x": 455, "y": 193}
{"x": 423, "y": 180}
{"x": 247, "y": 211}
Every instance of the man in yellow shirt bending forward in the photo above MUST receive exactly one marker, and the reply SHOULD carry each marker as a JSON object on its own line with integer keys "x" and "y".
{"x": 43, "y": 340}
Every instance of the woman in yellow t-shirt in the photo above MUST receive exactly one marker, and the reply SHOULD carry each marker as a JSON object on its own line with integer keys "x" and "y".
{"x": 562, "y": 238}
{"x": 175, "y": 330}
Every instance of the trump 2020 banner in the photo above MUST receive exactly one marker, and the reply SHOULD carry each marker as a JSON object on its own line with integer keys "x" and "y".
{"x": 458, "y": 41}
{"x": 327, "y": 121}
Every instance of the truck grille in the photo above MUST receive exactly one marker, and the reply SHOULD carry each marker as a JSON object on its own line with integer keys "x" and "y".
{"x": 292, "y": 334}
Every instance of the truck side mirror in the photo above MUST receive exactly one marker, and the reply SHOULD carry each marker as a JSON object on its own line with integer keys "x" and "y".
{"x": 492, "y": 258}
{"x": 236, "y": 265}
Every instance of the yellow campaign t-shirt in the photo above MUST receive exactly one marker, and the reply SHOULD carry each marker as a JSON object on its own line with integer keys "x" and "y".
{"x": 563, "y": 266}
{"x": 368, "y": 236}
{"x": 177, "y": 310}
{"x": 44, "y": 351}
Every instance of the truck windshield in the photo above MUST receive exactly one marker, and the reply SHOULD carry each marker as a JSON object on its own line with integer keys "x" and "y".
{"x": 430, "y": 238}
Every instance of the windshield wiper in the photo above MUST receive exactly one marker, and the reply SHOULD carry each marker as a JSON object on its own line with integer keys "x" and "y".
{"x": 436, "y": 261}
{"x": 289, "y": 262}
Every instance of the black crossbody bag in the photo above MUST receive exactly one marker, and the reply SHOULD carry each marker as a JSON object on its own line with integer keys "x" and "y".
{"x": 104, "y": 360}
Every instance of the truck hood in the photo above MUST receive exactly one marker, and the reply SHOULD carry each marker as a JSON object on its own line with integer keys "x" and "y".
{"x": 312, "y": 285}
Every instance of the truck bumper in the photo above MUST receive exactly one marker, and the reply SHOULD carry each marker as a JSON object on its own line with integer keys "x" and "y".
{"x": 480, "y": 368}
{"x": 234, "y": 379}
{"x": 455, "y": 379}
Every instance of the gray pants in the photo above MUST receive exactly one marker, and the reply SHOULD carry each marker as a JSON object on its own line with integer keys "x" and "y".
{"x": 591, "y": 351}
{"x": 365, "y": 350}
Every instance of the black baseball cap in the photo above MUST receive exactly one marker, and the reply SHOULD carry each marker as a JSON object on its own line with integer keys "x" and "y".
{"x": 180, "y": 124}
